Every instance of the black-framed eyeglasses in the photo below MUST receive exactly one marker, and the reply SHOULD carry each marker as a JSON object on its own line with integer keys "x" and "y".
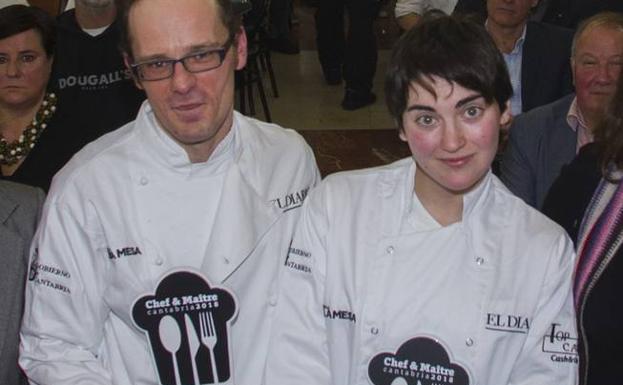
{"x": 199, "y": 61}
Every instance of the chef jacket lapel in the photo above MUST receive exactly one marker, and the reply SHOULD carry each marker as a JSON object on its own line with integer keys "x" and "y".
{"x": 487, "y": 229}
{"x": 395, "y": 189}
{"x": 242, "y": 220}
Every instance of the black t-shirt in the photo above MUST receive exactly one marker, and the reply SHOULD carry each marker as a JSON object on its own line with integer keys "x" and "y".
{"x": 90, "y": 79}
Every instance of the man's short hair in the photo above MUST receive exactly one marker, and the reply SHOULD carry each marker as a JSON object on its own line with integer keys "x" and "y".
{"x": 18, "y": 18}
{"x": 454, "y": 48}
{"x": 612, "y": 20}
{"x": 229, "y": 16}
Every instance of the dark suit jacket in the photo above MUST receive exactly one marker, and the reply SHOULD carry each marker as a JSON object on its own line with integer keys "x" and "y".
{"x": 545, "y": 62}
{"x": 20, "y": 206}
{"x": 571, "y": 193}
{"x": 545, "y": 65}
{"x": 539, "y": 145}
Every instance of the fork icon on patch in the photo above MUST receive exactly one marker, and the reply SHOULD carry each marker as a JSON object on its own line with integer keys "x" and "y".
{"x": 209, "y": 339}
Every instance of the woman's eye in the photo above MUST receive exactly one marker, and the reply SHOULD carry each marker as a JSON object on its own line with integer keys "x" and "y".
{"x": 28, "y": 58}
{"x": 425, "y": 120}
{"x": 473, "y": 112}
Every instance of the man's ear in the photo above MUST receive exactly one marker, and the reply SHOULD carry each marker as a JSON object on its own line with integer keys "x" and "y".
{"x": 127, "y": 61}
{"x": 241, "y": 49}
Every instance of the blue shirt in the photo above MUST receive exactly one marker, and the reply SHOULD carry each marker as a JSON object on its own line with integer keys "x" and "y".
{"x": 513, "y": 63}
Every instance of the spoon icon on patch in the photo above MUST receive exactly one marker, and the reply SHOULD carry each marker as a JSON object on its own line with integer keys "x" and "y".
{"x": 171, "y": 338}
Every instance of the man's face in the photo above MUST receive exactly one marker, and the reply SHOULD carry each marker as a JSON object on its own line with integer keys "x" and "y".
{"x": 509, "y": 13}
{"x": 195, "y": 109}
{"x": 596, "y": 67}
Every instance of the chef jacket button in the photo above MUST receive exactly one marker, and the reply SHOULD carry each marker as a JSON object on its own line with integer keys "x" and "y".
{"x": 159, "y": 261}
{"x": 480, "y": 261}
{"x": 226, "y": 261}
{"x": 390, "y": 250}
{"x": 144, "y": 181}
{"x": 272, "y": 301}
{"x": 469, "y": 342}
{"x": 374, "y": 330}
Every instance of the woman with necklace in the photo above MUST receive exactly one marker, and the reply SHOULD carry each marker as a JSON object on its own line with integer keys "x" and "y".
{"x": 587, "y": 200}
{"x": 32, "y": 145}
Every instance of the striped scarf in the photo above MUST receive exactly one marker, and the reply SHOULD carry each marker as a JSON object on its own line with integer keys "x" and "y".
{"x": 600, "y": 235}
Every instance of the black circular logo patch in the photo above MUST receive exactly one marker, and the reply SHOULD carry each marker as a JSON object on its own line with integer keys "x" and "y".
{"x": 419, "y": 361}
{"x": 187, "y": 322}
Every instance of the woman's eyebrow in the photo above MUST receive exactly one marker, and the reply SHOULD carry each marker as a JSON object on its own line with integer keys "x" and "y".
{"x": 466, "y": 100}
{"x": 420, "y": 107}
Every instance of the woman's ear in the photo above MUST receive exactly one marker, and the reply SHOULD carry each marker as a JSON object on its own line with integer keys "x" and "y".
{"x": 506, "y": 118}
{"x": 50, "y": 64}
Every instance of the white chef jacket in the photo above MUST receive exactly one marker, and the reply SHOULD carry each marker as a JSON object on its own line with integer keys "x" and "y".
{"x": 367, "y": 283}
{"x": 420, "y": 7}
{"x": 77, "y": 327}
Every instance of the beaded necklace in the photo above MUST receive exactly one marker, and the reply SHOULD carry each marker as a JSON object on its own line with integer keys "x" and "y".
{"x": 11, "y": 153}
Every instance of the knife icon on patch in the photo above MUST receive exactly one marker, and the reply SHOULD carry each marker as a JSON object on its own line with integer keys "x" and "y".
{"x": 193, "y": 345}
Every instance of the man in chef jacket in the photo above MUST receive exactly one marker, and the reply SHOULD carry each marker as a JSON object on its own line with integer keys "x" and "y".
{"x": 157, "y": 254}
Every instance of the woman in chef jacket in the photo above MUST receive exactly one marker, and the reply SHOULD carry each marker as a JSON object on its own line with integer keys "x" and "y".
{"x": 428, "y": 270}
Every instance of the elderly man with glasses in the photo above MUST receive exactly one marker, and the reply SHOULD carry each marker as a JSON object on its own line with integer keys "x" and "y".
{"x": 157, "y": 254}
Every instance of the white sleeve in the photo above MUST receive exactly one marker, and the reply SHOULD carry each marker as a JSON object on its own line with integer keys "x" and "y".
{"x": 64, "y": 316}
{"x": 405, "y": 7}
{"x": 298, "y": 353}
{"x": 550, "y": 354}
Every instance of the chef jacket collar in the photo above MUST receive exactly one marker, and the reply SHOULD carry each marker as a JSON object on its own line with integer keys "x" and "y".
{"x": 172, "y": 155}
{"x": 416, "y": 214}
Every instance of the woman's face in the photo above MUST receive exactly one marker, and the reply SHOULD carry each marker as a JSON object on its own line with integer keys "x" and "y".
{"x": 24, "y": 69}
{"x": 453, "y": 136}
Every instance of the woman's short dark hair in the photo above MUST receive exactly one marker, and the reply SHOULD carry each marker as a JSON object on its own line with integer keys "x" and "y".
{"x": 228, "y": 16}
{"x": 454, "y": 48}
{"x": 609, "y": 132}
{"x": 20, "y": 18}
